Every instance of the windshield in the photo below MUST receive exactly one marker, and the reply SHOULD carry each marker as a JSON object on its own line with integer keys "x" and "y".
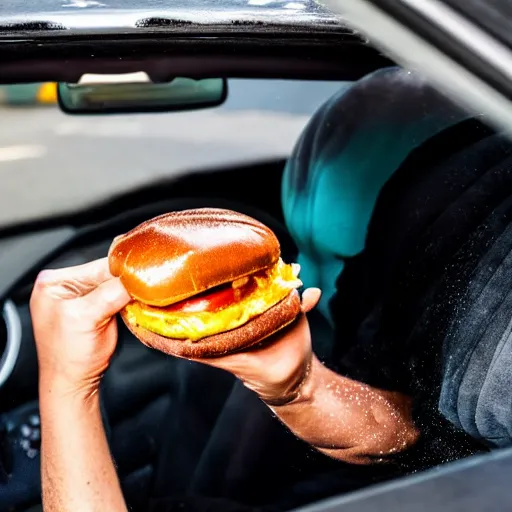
{"x": 63, "y": 163}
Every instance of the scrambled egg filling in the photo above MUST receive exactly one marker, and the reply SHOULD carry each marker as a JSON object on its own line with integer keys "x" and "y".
{"x": 271, "y": 288}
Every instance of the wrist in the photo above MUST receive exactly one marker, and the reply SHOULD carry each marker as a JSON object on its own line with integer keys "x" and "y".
{"x": 302, "y": 390}
{"x": 58, "y": 390}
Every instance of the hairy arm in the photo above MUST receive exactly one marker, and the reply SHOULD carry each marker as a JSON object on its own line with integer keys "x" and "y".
{"x": 78, "y": 474}
{"x": 347, "y": 420}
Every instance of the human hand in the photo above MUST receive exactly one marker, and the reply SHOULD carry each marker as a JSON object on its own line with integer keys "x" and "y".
{"x": 276, "y": 368}
{"x": 72, "y": 313}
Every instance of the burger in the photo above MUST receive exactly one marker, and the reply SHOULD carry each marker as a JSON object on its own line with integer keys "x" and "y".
{"x": 204, "y": 282}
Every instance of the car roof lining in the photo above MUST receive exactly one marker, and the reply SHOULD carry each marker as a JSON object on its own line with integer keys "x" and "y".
{"x": 162, "y": 58}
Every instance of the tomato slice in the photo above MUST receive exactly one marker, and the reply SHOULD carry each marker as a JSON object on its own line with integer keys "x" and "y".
{"x": 212, "y": 301}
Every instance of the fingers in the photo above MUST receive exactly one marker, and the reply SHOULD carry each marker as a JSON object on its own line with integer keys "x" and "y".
{"x": 96, "y": 271}
{"x": 104, "y": 301}
{"x": 310, "y": 299}
{"x": 77, "y": 280}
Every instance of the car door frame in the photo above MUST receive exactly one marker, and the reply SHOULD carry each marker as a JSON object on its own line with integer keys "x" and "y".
{"x": 463, "y": 60}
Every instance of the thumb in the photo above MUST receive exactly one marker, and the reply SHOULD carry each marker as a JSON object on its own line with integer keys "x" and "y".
{"x": 105, "y": 300}
{"x": 310, "y": 299}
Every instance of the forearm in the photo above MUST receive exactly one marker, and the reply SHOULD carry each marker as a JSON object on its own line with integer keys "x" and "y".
{"x": 78, "y": 474}
{"x": 346, "y": 419}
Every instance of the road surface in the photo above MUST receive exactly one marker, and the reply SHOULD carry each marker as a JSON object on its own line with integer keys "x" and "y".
{"x": 51, "y": 162}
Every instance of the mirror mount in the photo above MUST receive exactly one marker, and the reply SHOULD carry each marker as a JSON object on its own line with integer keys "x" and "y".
{"x": 133, "y": 93}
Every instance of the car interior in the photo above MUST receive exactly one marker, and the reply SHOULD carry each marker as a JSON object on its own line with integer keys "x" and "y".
{"x": 139, "y": 387}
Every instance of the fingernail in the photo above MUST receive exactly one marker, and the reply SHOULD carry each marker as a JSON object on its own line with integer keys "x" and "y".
{"x": 45, "y": 275}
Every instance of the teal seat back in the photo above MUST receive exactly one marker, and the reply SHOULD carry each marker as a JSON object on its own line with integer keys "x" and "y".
{"x": 346, "y": 154}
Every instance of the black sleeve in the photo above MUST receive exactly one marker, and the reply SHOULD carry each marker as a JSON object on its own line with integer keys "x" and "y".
{"x": 399, "y": 301}
{"x": 430, "y": 224}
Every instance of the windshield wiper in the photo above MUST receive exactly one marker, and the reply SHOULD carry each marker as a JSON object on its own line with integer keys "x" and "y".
{"x": 324, "y": 24}
{"x": 157, "y": 22}
{"x": 31, "y": 26}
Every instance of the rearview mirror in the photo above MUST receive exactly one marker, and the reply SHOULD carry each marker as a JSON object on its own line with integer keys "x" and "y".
{"x": 136, "y": 93}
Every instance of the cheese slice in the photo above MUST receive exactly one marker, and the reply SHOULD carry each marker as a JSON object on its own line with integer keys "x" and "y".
{"x": 271, "y": 288}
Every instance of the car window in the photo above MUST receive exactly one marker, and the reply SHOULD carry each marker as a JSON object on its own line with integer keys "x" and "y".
{"x": 74, "y": 161}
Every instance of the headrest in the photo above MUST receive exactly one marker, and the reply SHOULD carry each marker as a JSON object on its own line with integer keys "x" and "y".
{"x": 348, "y": 151}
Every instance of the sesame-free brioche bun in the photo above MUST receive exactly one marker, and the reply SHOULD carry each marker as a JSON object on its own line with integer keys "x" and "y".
{"x": 180, "y": 254}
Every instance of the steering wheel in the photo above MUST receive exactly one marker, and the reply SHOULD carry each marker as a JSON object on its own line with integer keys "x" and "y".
{"x": 10, "y": 340}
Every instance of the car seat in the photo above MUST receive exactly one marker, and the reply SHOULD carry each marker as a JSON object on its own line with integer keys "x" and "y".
{"x": 346, "y": 154}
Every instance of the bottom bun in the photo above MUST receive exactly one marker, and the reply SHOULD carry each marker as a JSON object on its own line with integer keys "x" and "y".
{"x": 254, "y": 331}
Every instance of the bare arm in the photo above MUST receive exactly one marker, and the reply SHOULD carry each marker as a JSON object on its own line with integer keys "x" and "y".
{"x": 340, "y": 417}
{"x": 76, "y": 334}
{"x": 78, "y": 474}
{"x": 348, "y": 420}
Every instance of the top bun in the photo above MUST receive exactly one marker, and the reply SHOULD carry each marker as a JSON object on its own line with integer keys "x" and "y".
{"x": 180, "y": 254}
